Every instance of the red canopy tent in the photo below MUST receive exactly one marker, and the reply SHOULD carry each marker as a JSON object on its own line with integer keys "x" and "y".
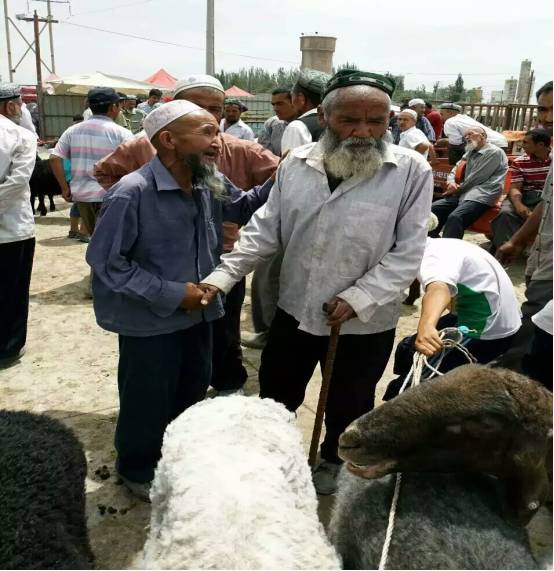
{"x": 235, "y": 91}
{"x": 163, "y": 78}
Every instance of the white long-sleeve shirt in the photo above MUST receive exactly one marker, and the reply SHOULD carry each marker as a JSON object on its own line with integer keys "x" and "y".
{"x": 18, "y": 152}
{"x": 296, "y": 134}
{"x": 363, "y": 242}
{"x": 455, "y": 128}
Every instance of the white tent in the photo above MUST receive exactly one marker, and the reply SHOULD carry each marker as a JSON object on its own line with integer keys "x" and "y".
{"x": 81, "y": 84}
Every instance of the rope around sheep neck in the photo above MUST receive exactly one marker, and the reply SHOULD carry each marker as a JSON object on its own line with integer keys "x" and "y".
{"x": 415, "y": 374}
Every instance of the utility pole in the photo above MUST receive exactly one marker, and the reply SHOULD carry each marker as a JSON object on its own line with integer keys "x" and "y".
{"x": 51, "y": 35}
{"x": 8, "y": 43}
{"x": 210, "y": 58}
{"x": 40, "y": 99}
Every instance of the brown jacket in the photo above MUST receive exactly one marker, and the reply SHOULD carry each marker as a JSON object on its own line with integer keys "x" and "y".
{"x": 245, "y": 163}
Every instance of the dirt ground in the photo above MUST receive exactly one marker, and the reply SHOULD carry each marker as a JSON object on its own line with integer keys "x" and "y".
{"x": 70, "y": 373}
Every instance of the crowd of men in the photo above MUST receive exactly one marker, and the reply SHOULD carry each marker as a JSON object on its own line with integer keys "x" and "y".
{"x": 338, "y": 215}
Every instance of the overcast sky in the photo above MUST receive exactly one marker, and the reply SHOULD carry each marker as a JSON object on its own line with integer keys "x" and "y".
{"x": 485, "y": 40}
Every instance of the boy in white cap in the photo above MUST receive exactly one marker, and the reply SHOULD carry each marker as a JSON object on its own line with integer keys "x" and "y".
{"x": 159, "y": 233}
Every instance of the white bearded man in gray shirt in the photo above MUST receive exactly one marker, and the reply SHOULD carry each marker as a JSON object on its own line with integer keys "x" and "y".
{"x": 350, "y": 213}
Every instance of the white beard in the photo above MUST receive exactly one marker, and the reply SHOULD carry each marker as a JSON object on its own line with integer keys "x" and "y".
{"x": 352, "y": 157}
{"x": 471, "y": 146}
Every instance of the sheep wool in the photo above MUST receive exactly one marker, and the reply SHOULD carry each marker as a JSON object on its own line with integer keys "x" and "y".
{"x": 233, "y": 490}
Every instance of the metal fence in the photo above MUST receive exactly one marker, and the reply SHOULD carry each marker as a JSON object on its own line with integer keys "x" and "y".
{"x": 503, "y": 117}
{"x": 259, "y": 110}
{"x": 59, "y": 111}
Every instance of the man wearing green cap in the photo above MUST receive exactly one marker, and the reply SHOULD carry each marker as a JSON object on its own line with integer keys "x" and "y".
{"x": 350, "y": 214}
{"x": 306, "y": 96}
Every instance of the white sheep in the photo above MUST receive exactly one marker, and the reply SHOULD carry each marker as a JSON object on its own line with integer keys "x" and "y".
{"x": 233, "y": 490}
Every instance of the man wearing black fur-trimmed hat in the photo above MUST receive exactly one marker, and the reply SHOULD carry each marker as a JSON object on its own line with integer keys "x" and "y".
{"x": 350, "y": 214}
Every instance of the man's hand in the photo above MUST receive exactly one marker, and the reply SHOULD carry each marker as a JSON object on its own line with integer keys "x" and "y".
{"x": 427, "y": 340}
{"x": 522, "y": 211}
{"x": 66, "y": 193}
{"x": 209, "y": 293}
{"x": 451, "y": 188}
{"x": 193, "y": 297}
{"x": 338, "y": 311}
{"x": 509, "y": 252}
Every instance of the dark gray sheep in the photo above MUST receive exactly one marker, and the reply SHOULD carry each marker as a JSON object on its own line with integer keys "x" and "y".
{"x": 42, "y": 495}
{"x": 443, "y": 521}
{"x": 473, "y": 419}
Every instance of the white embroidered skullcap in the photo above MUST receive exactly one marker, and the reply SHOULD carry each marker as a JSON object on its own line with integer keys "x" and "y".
{"x": 197, "y": 80}
{"x": 410, "y": 112}
{"x": 167, "y": 113}
{"x": 413, "y": 102}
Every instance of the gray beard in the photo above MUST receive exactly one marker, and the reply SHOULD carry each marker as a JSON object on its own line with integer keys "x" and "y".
{"x": 206, "y": 175}
{"x": 354, "y": 156}
{"x": 470, "y": 147}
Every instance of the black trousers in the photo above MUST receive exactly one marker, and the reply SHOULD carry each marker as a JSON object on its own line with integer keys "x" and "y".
{"x": 16, "y": 265}
{"x": 537, "y": 364}
{"x": 228, "y": 372}
{"x": 290, "y": 358}
{"x": 158, "y": 378}
{"x": 483, "y": 350}
{"x": 455, "y": 216}
{"x": 538, "y": 294}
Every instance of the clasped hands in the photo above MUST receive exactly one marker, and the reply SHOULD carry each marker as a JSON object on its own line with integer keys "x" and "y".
{"x": 199, "y": 296}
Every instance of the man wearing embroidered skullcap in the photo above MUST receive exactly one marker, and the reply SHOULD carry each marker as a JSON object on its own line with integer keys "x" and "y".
{"x": 246, "y": 164}
{"x": 18, "y": 151}
{"x": 411, "y": 137}
{"x": 350, "y": 213}
{"x": 232, "y": 124}
{"x": 423, "y": 124}
{"x": 306, "y": 96}
{"x": 159, "y": 233}
{"x": 456, "y": 124}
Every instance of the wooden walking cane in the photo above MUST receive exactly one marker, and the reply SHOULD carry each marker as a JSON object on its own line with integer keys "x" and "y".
{"x": 324, "y": 391}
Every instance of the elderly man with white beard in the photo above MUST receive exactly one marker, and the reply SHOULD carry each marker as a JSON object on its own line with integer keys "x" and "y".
{"x": 473, "y": 186}
{"x": 350, "y": 213}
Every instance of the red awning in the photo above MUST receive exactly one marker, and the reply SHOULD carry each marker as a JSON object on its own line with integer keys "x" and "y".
{"x": 235, "y": 91}
{"x": 163, "y": 78}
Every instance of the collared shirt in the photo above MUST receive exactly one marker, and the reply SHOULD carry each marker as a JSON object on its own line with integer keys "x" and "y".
{"x": 244, "y": 163}
{"x": 84, "y": 144}
{"x": 455, "y": 128}
{"x": 530, "y": 172}
{"x": 240, "y": 130}
{"x": 134, "y": 118}
{"x": 296, "y": 134}
{"x": 484, "y": 175}
{"x": 27, "y": 120}
{"x": 362, "y": 243}
{"x": 146, "y": 108}
{"x": 271, "y": 134}
{"x": 152, "y": 238}
{"x": 18, "y": 153}
{"x": 543, "y": 244}
{"x": 422, "y": 124}
{"x": 413, "y": 137}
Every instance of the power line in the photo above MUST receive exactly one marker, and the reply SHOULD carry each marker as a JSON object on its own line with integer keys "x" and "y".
{"x": 164, "y": 42}
{"x": 110, "y": 9}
